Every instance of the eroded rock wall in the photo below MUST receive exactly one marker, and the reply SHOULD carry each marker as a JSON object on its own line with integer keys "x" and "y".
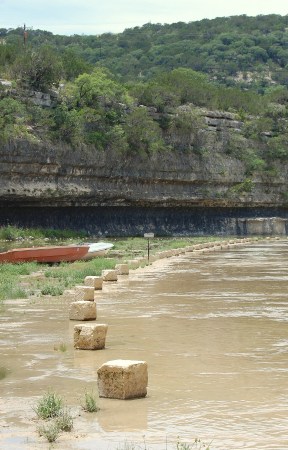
{"x": 38, "y": 174}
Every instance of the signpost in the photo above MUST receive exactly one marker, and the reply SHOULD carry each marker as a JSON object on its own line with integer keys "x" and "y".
{"x": 148, "y": 236}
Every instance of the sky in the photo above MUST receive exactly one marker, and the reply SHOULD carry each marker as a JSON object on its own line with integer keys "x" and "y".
{"x": 70, "y": 17}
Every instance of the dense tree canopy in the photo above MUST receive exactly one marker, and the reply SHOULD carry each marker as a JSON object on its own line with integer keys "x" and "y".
{"x": 144, "y": 91}
{"x": 230, "y": 50}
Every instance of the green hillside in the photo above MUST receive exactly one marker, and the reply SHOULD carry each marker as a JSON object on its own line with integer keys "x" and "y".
{"x": 249, "y": 51}
{"x": 127, "y": 92}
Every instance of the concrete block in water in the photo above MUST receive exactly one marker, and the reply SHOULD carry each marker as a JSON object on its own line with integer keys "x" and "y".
{"x": 122, "y": 269}
{"x": 94, "y": 281}
{"x": 109, "y": 275}
{"x": 90, "y": 336}
{"x": 83, "y": 310}
{"x": 134, "y": 263}
{"x": 123, "y": 379}
{"x": 83, "y": 293}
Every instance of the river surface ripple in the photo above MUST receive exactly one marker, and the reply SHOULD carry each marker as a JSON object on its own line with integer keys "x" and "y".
{"x": 213, "y": 330}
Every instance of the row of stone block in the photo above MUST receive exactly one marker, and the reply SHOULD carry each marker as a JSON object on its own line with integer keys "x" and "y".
{"x": 118, "y": 379}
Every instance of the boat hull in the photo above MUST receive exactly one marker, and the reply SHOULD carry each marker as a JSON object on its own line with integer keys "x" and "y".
{"x": 44, "y": 254}
{"x": 97, "y": 249}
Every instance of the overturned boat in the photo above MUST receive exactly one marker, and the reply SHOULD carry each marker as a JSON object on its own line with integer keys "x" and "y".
{"x": 52, "y": 254}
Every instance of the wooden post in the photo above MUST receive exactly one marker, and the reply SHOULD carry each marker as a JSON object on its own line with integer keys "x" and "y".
{"x": 148, "y": 236}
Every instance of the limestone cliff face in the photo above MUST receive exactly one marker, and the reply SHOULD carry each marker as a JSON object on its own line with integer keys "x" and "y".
{"x": 39, "y": 174}
{"x": 202, "y": 169}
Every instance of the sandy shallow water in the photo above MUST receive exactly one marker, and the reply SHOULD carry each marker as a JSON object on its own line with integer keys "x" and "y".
{"x": 213, "y": 330}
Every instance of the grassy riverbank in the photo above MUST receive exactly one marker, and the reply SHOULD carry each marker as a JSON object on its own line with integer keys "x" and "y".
{"x": 32, "y": 279}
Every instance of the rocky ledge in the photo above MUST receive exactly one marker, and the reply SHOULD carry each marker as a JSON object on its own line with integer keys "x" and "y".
{"x": 35, "y": 174}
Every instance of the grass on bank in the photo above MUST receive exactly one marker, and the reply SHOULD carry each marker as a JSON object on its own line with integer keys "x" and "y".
{"x": 90, "y": 402}
{"x": 50, "y": 408}
{"x": 12, "y": 233}
{"x": 16, "y": 280}
{"x": 55, "y": 418}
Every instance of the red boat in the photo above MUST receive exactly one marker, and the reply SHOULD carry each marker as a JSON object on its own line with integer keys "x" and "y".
{"x": 51, "y": 254}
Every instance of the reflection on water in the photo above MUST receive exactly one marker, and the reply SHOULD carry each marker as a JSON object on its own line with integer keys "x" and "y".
{"x": 213, "y": 329}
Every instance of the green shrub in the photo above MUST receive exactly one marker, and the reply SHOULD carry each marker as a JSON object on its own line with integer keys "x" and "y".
{"x": 61, "y": 348}
{"x": 10, "y": 233}
{"x": 49, "y": 406}
{"x": 50, "y": 431}
{"x": 65, "y": 421}
{"x": 90, "y": 402}
{"x": 51, "y": 289}
{"x": 245, "y": 186}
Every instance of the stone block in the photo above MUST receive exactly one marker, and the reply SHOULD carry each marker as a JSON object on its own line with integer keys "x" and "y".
{"x": 93, "y": 281}
{"x": 83, "y": 311}
{"x": 122, "y": 269}
{"x": 83, "y": 293}
{"x": 90, "y": 336}
{"x": 152, "y": 258}
{"x": 109, "y": 275}
{"x": 134, "y": 263}
{"x": 258, "y": 226}
{"x": 123, "y": 379}
{"x": 278, "y": 226}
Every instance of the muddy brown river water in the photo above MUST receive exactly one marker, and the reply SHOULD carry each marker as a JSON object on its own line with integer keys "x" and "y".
{"x": 213, "y": 329}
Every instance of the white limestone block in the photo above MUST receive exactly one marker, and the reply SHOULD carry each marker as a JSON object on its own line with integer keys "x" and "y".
{"x": 134, "y": 263}
{"x": 123, "y": 379}
{"x": 83, "y": 293}
{"x": 122, "y": 269}
{"x": 83, "y": 310}
{"x": 152, "y": 258}
{"x": 109, "y": 275}
{"x": 94, "y": 281}
{"x": 90, "y": 336}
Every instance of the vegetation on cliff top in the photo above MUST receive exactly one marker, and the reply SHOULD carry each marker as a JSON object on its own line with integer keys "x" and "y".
{"x": 126, "y": 93}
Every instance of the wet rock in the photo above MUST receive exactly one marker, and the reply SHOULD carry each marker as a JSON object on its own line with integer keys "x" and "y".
{"x": 90, "y": 336}
{"x": 84, "y": 293}
{"x": 134, "y": 263}
{"x": 122, "y": 269}
{"x": 83, "y": 310}
{"x": 94, "y": 281}
{"x": 123, "y": 379}
{"x": 109, "y": 275}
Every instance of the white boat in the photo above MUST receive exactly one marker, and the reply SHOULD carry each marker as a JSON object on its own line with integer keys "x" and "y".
{"x": 97, "y": 249}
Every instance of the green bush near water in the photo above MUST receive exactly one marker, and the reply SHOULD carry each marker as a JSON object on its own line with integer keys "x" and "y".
{"x": 9, "y": 279}
{"x": 48, "y": 406}
{"x": 51, "y": 289}
{"x": 90, "y": 402}
{"x": 76, "y": 272}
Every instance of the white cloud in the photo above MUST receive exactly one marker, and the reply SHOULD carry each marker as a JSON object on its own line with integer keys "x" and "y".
{"x": 98, "y": 16}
